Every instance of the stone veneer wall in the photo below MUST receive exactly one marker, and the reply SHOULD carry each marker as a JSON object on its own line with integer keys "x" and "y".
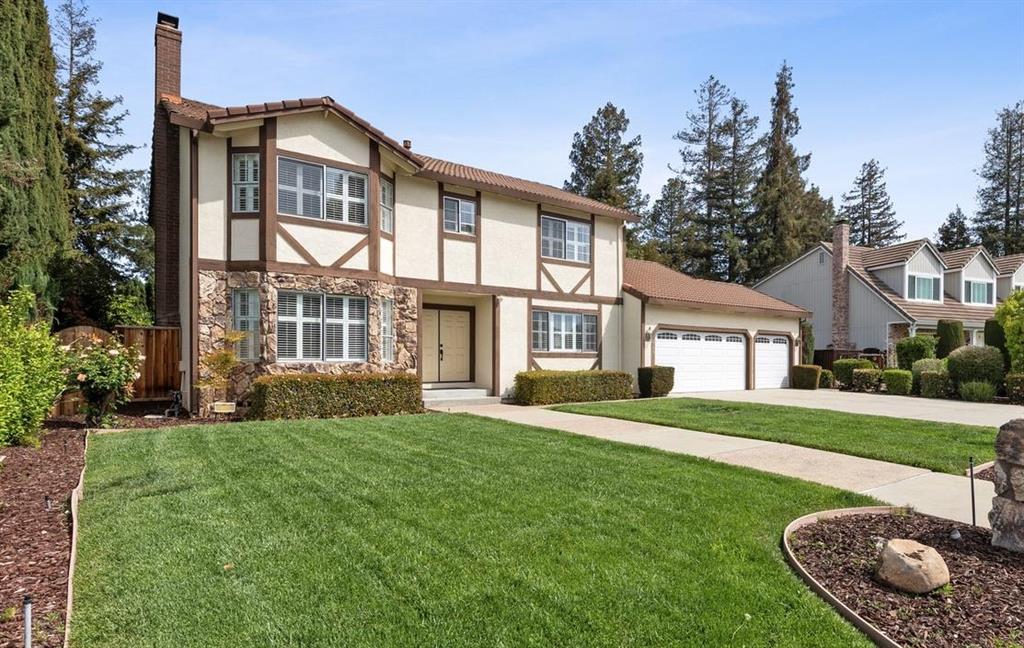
{"x": 215, "y": 318}
{"x": 896, "y": 333}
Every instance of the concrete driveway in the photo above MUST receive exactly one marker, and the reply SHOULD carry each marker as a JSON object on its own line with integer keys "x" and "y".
{"x": 910, "y": 407}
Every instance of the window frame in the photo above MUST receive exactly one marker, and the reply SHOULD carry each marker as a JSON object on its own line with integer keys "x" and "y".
{"x": 912, "y": 278}
{"x": 387, "y": 329}
{"x": 460, "y": 225}
{"x": 574, "y": 243}
{"x": 325, "y": 195}
{"x": 253, "y": 184}
{"x": 387, "y": 211}
{"x": 968, "y": 296}
{"x": 581, "y": 330}
{"x": 323, "y": 321}
{"x": 251, "y": 323}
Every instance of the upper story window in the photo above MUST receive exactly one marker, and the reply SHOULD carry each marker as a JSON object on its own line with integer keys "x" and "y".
{"x": 925, "y": 288}
{"x": 563, "y": 331}
{"x": 562, "y": 238}
{"x": 459, "y": 215}
{"x": 979, "y": 292}
{"x": 317, "y": 191}
{"x": 245, "y": 182}
{"x": 387, "y": 206}
{"x": 321, "y": 327}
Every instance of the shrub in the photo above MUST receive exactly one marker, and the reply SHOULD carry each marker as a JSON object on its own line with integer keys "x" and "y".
{"x": 806, "y": 376}
{"x": 827, "y": 380}
{"x": 549, "y": 387}
{"x": 975, "y": 363}
{"x": 655, "y": 381}
{"x": 103, "y": 371}
{"x": 866, "y": 380}
{"x": 292, "y": 396}
{"x": 951, "y": 337}
{"x": 127, "y": 307}
{"x": 1010, "y": 315}
{"x": 995, "y": 337}
{"x": 843, "y": 369}
{"x": 910, "y": 350}
{"x": 1015, "y": 388}
{"x": 935, "y": 384}
{"x": 978, "y": 391}
{"x": 928, "y": 364}
{"x": 806, "y": 343}
{"x": 898, "y": 381}
{"x": 31, "y": 371}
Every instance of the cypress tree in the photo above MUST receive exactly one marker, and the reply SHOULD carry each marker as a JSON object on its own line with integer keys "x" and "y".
{"x": 999, "y": 221}
{"x": 112, "y": 241}
{"x": 869, "y": 210}
{"x": 954, "y": 233}
{"x": 33, "y": 212}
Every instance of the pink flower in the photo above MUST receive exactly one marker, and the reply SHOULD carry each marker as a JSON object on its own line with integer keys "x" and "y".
{"x": 114, "y": 352}
{"x": 81, "y": 377}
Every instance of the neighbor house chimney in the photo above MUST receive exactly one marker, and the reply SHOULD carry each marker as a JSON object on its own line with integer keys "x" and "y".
{"x": 164, "y": 173}
{"x": 840, "y": 285}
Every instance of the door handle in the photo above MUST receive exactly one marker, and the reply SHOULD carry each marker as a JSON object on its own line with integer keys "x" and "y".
{"x": 440, "y": 352}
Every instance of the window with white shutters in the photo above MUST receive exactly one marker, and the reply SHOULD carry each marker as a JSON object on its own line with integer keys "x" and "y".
{"x": 564, "y": 331}
{"x": 564, "y": 239}
{"x": 459, "y": 215}
{"x": 321, "y": 327}
{"x": 387, "y": 206}
{"x": 245, "y": 182}
{"x": 540, "y": 332}
{"x": 345, "y": 196}
{"x": 246, "y": 306}
{"x": 299, "y": 188}
{"x": 387, "y": 330}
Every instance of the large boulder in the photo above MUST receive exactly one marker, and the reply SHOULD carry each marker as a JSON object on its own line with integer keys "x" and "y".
{"x": 912, "y": 567}
{"x": 1007, "y": 516}
{"x": 1007, "y": 520}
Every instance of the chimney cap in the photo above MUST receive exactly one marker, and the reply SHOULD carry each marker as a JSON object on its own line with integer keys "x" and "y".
{"x": 166, "y": 19}
{"x": 407, "y": 144}
{"x": 842, "y": 220}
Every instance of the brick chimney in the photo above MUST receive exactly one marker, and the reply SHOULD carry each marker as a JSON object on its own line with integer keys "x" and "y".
{"x": 164, "y": 172}
{"x": 840, "y": 285}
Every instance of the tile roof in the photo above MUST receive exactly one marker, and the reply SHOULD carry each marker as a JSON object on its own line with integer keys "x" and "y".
{"x": 430, "y": 167}
{"x": 444, "y": 170}
{"x": 899, "y": 253}
{"x": 655, "y": 281}
{"x": 956, "y": 259}
{"x": 1009, "y": 264}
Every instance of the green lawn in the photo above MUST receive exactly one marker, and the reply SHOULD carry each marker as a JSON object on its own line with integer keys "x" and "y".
{"x": 943, "y": 447}
{"x": 439, "y": 530}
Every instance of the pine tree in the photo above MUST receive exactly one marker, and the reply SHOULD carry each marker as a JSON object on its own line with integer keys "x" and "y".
{"x": 868, "y": 208}
{"x": 111, "y": 237}
{"x": 669, "y": 225}
{"x": 782, "y": 221}
{"x": 33, "y": 212}
{"x": 742, "y": 165}
{"x": 954, "y": 233}
{"x": 999, "y": 220}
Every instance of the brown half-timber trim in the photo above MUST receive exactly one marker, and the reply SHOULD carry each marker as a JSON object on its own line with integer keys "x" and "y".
{"x": 539, "y": 263}
{"x": 564, "y": 262}
{"x": 551, "y": 279}
{"x": 268, "y": 193}
{"x": 354, "y": 250}
{"x": 419, "y": 335}
{"x": 323, "y": 224}
{"x": 193, "y": 284}
{"x": 579, "y": 284}
{"x": 334, "y": 164}
{"x": 472, "y": 337}
{"x": 790, "y": 348}
{"x": 530, "y": 362}
{"x": 298, "y": 247}
{"x": 593, "y": 251}
{"x": 440, "y": 232}
{"x": 495, "y": 345}
{"x": 374, "y": 206}
{"x": 643, "y": 334}
{"x": 748, "y": 340}
{"x": 479, "y": 235}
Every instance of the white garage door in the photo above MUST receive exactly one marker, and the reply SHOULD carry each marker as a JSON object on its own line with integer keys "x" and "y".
{"x": 703, "y": 361}
{"x": 771, "y": 362}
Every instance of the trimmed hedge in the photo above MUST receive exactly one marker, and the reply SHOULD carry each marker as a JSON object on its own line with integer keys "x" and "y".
{"x": 928, "y": 364}
{"x": 655, "y": 381}
{"x": 996, "y": 337}
{"x": 978, "y": 391}
{"x": 975, "y": 363}
{"x": 867, "y": 380}
{"x": 843, "y": 369}
{"x": 806, "y": 376}
{"x": 951, "y": 337}
{"x": 806, "y": 342}
{"x": 910, "y": 350}
{"x": 827, "y": 380}
{"x": 935, "y": 384}
{"x": 1015, "y": 388}
{"x": 292, "y": 396}
{"x": 549, "y": 387}
{"x": 898, "y": 381}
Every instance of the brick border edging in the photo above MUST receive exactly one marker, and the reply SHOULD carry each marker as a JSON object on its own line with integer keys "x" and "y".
{"x": 76, "y": 496}
{"x": 979, "y": 467}
{"x": 876, "y": 635}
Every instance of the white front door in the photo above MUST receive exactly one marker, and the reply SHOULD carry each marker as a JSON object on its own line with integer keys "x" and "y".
{"x": 771, "y": 362}
{"x": 447, "y": 341}
{"x": 703, "y": 361}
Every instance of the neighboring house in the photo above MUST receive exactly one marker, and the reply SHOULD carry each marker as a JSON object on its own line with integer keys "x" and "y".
{"x": 1011, "y": 275}
{"x": 337, "y": 249}
{"x": 865, "y": 298}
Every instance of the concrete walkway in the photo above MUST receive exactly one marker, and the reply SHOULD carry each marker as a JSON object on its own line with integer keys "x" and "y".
{"x": 937, "y": 494}
{"x": 924, "y": 409}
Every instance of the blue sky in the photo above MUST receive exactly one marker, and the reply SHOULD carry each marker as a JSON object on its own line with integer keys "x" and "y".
{"x": 504, "y": 86}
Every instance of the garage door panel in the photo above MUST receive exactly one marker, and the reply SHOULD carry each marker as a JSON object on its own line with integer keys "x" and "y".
{"x": 703, "y": 361}
{"x": 771, "y": 361}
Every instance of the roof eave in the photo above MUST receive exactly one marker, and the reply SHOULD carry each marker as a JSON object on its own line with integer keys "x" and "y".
{"x": 795, "y": 312}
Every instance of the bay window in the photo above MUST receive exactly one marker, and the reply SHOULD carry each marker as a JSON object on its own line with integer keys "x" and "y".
{"x": 245, "y": 182}
{"x": 924, "y": 288}
{"x": 321, "y": 327}
{"x": 979, "y": 292}
{"x": 554, "y": 331}
{"x": 564, "y": 239}
{"x": 318, "y": 191}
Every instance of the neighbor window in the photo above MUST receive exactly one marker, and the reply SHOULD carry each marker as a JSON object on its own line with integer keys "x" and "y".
{"x": 317, "y": 191}
{"x": 922, "y": 287}
{"x": 564, "y": 331}
{"x": 564, "y": 239}
{"x": 245, "y": 305}
{"x": 321, "y": 327}
{"x": 387, "y": 206}
{"x": 387, "y": 330}
{"x": 978, "y": 292}
{"x": 459, "y": 215}
{"x": 245, "y": 182}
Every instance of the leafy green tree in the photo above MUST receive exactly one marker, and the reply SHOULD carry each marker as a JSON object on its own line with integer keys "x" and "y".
{"x": 128, "y": 307}
{"x": 999, "y": 220}
{"x": 1010, "y": 315}
{"x": 869, "y": 210}
{"x": 954, "y": 233}
{"x": 112, "y": 240}
{"x": 607, "y": 168}
{"x": 33, "y": 210}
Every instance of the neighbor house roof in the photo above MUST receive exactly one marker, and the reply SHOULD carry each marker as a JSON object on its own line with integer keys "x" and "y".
{"x": 654, "y": 282}
{"x": 956, "y": 259}
{"x": 892, "y": 254}
{"x": 198, "y": 114}
{"x": 1009, "y": 264}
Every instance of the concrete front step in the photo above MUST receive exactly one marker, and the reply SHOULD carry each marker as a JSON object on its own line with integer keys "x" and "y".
{"x": 454, "y": 403}
{"x": 442, "y": 399}
{"x": 458, "y": 392}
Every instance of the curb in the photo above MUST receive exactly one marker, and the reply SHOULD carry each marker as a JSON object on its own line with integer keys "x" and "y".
{"x": 876, "y": 635}
{"x": 76, "y": 496}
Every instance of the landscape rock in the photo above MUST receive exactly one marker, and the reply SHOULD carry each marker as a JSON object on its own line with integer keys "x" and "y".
{"x": 912, "y": 567}
{"x": 1010, "y": 442}
{"x": 1007, "y": 515}
{"x": 1007, "y": 520}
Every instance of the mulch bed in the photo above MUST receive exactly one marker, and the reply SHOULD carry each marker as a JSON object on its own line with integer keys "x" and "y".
{"x": 988, "y": 474}
{"x": 984, "y": 606}
{"x": 35, "y": 533}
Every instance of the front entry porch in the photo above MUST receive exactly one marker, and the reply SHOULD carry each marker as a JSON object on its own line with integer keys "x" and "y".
{"x": 457, "y": 346}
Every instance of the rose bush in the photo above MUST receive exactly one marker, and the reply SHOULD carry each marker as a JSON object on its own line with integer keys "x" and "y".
{"x": 103, "y": 371}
